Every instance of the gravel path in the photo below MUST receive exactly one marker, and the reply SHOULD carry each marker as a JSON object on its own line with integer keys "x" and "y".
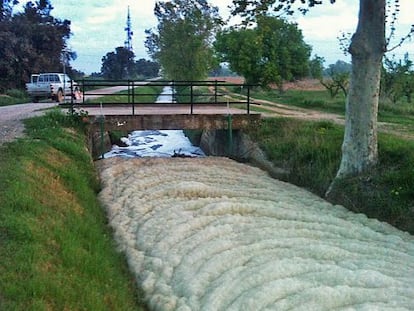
{"x": 11, "y": 125}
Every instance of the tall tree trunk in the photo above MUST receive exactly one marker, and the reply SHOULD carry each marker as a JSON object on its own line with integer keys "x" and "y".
{"x": 359, "y": 148}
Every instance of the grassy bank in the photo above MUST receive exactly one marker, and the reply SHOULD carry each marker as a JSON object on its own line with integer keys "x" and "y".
{"x": 401, "y": 114}
{"x": 13, "y": 97}
{"x": 310, "y": 153}
{"x": 56, "y": 249}
{"x": 144, "y": 93}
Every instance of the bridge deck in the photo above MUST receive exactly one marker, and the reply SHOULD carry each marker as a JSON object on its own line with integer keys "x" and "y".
{"x": 161, "y": 109}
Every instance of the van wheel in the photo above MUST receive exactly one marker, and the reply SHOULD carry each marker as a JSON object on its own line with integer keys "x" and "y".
{"x": 59, "y": 96}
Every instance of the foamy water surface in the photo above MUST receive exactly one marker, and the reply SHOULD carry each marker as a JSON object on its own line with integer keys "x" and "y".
{"x": 213, "y": 234}
{"x": 155, "y": 143}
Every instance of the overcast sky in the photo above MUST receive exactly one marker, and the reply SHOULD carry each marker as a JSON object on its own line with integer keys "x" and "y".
{"x": 98, "y": 27}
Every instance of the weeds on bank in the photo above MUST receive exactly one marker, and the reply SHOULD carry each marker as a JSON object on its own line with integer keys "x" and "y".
{"x": 13, "y": 97}
{"x": 387, "y": 192}
{"x": 56, "y": 249}
{"x": 310, "y": 153}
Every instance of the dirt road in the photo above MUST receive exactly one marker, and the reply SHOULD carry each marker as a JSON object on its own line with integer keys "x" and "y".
{"x": 273, "y": 109}
{"x": 11, "y": 125}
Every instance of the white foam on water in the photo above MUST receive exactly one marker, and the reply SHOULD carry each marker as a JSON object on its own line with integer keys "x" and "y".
{"x": 164, "y": 143}
{"x": 213, "y": 234}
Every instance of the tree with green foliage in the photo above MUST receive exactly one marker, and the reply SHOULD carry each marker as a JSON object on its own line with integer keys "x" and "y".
{"x": 367, "y": 47}
{"x": 237, "y": 48}
{"x": 272, "y": 52}
{"x": 147, "y": 68}
{"x": 119, "y": 64}
{"x": 182, "y": 42}
{"x": 31, "y": 41}
{"x": 316, "y": 67}
{"x": 397, "y": 80}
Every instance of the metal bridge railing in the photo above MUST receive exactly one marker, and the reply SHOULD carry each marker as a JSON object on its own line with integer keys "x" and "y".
{"x": 192, "y": 93}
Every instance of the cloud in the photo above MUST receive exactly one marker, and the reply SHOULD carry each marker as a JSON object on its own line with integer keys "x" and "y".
{"x": 329, "y": 21}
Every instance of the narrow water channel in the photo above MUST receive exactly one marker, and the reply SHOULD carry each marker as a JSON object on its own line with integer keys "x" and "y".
{"x": 209, "y": 233}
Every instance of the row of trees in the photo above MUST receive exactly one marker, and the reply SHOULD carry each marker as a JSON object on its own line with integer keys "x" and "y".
{"x": 270, "y": 53}
{"x": 189, "y": 43}
{"x": 397, "y": 79}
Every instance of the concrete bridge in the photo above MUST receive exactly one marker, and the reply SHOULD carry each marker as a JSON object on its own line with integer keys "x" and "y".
{"x": 172, "y": 122}
{"x": 213, "y": 109}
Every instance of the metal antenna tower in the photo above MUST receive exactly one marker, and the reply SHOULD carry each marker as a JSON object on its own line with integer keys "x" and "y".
{"x": 128, "y": 29}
